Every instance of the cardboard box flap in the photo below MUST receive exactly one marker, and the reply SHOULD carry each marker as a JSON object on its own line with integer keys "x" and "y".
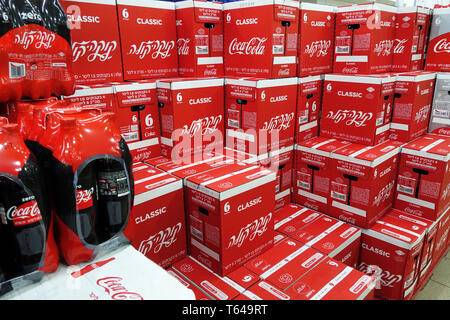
{"x": 199, "y": 294}
{"x": 132, "y": 94}
{"x": 369, "y": 156}
{"x": 289, "y": 220}
{"x": 148, "y": 180}
{"x": 416, "y": 76}
{"x": 92, "y": 91}
{"x": 429, "y": 145}
{"x": 148, "y": 4}
{"x": 140, "y": 166}
{"x": 309, "y": 86}
{"x": 412, "y": 218}
{"x": 207, "y": 280}
{"x": 158, "y": 160}
{"x": 243, "y": 277}
{"x": 263, "y": 290}
{"x": 393, "y": 233}
{"x": 325, "y": 145}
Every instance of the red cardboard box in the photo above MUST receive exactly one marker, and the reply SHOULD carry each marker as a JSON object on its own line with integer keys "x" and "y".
{"x": 148, "y": 38}
{"x": 94, "y": 30}
{"x": 423, "y": 182}
{"x": 200, "y": 38}
{"x": 316, "y": 49}
{"x": 158, "y": 215}
{"x": 364, "y": 38}
{"x": 261, "y": 38}
{"x": 138, "y": 119}
{"x": 441, "y": 238}
{"x": 362, "y": 182}
{"x": 292, "y": 218}
{"x": 438, "y": 54}
{"x": 230, "y": 214}
{"x": 97, "y": 96}
{"x": 260, "y": 114}
{"x": 332, "y": 237}
{"x": 412, "y": 105}
{"x": 191, "y": 113}
{"x": 440, "y": 114}
{"x": 391, "y": 251}
{"x": 309, "y": 105}
{"x": 354, "y": 108}
{"x": 312, "y": 172}
{"x": 332, "y": 280}
{"x": 412, "y": 25}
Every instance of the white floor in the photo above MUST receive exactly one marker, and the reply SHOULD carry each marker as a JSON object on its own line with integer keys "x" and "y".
{"x": 438, "y": 287}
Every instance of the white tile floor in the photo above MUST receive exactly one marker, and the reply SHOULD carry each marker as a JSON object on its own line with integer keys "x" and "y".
{"x": 438, "y": 287}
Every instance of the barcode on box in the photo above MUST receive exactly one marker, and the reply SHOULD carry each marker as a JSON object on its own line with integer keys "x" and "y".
{"x": 233, "y": 123}
{"x": 201, "y": 49}
{"x": 338, "y": 196}
{"x": 340, "y": 49}
{"x": 130, "y": 137}
{"x": 303, "y": 184}
{"x": 379, "y": 121}
{"x": 405, "y": 189}
{"x": 278, "y": 49}
{"x": 16, "y": 70}
{"x": 196, "y": 233}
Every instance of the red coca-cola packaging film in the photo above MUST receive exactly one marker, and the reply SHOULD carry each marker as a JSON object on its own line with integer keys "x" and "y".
{"x": 391, "y": 251}
{"x": 332, "y": 280}
{"x": 148, "y": 39}
{"x": 261, "y": 38}
{"x": 438, "y": 54}
{"x": 199, "y": 294}
{"x": 137, "y": 117}
{"x": 309, "y": 104}
{"x": 423, "y": 182}
{"x": 312, "y": 172}
{"x": 230, "y": 211}
{"x": 364, "y": 38}
{"x": 215, "y": 286}
{"x": 316, "y": 48}
{"x": 426, "y": 258}
{"x": 362, "y": 182}
{"x": 200, "y": 38}
{"x": 191, "y": 115}
{"x": 99, "y": 96}
{"x": 411, "y": 33}
{"x": 158, "y": 216}
{"x": 35, "y": 54}
{"x": 440, "y": 113}
{"x": 332, "y": 237}
{"x": 354, "y": 108}
{"x": 260, "y": 114}
{"x": 412, "y": 105}
{"x": 97, "y": 56}
{"x": 92, "y": 185}
{"x": 26, "y": 217}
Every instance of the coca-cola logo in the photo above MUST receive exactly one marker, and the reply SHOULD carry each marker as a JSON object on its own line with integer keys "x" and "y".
{"x": 350, "y": 117}
{"x": 318, "y": 48}
{"x": 350, "y": 70}
{"x": 205, "y": 125}
{"x": 155, "y": 48}
{"x": 116, "y": 290}
{"x": 384, "y": 194}
{"x": 94, "y": 50}
{"x": 255, "y": 46}
{"x": 279, "y": 122}
{"x": 183, "y": 46}
{"x": 164, "y": 238}
{"x": 384, "y": 48}
{"x": 415, "y": 212}
{"x": 383, "y": 276}
{"x": 25, "y": 214}
{"x": 422, "y": 114}
{"x": 38, "y": 39}
{"x": 399, "y": 46}
{"x": 442, "y": 45}
{"x": 250, "y": 231}
{"x": 84, "y": 196}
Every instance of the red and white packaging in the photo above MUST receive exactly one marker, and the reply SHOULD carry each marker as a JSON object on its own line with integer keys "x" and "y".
{"x": 309, "y": 105}
{"x": 157, "y": 160}
{"x": 138, "y": 119}
{"x": 148, "y": 38}
{"x": 99, "y": 96}
{"x": 158, "y": 215}
{"x": 230, "y": 215}
{"x": 191, "y": 114}
{"x": 213, "y": 285}
{"x": 312, "y": 172}
{"x": 412, "y": 105}
{"x": 260, "y": 38}
{"x": 440, "y": 113}
{"x": 362, "y": 182}
{"x": 292, "y": 218}
{"x": 426, "y": 258}
{"x": 391, "y": 251}
{"x": 200, "y": 38}
{"x": 364, "y": 38}
{"x": 316, "y": 49}
{"x": 260, "y": 114}
{"x": 442, "y": 235}
{"x": 355, "y": 108}
{"x": 412, "y": 25}
{"x": 423, "y": 183}
{"x": 332, "y": 237}
{"x": 332, "y": 280}
{"x": 284, "y": 264}
{"x": 97, "y": 56}
{"x": 438, "y": 54}
{"x": 199, "y": 294}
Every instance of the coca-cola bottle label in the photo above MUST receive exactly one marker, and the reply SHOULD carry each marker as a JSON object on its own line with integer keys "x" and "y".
{"x": 24, "y": 214}
{"x": 84, "y": 199}
{"x": 113, "y": 184}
